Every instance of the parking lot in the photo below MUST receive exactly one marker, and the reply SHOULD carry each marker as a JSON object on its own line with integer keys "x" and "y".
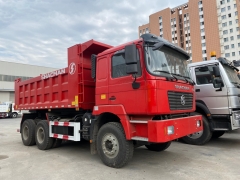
{"x": 219, "y": 159}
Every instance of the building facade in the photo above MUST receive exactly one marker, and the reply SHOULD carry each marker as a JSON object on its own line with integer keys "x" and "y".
{"x": 199, "y": 27}
{"x": 10, "y": 71}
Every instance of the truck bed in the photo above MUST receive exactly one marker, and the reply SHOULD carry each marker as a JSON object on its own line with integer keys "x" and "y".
{"x": 70, "y": 87}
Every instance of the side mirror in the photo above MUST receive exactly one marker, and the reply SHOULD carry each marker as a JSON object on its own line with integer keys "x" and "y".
{"x": 218, "y": 83}
{"x": 216, "y": 71}
{"x": 131, "y": 59}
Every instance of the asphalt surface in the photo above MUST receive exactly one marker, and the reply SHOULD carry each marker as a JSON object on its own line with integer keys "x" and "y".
{"x": 219, "y": 159}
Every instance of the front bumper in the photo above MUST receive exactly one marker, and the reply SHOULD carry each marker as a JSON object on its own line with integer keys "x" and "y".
{"x": 159, "y": 131}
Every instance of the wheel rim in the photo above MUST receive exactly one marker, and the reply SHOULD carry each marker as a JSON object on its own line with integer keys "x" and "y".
{"x": 40, "y": 135}
{"x": 110, "y": 145}
{"x": 196, "y": 135}
{"x": 14, "y": 115}
{"x": 25, "y": 133}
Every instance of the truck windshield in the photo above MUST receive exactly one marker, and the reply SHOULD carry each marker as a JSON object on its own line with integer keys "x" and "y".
{"x": 162, "y": 63}
{"x": 232, "y": 75}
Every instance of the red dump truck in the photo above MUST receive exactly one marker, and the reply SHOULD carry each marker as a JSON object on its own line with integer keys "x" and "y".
{"x": 117, "y": 98}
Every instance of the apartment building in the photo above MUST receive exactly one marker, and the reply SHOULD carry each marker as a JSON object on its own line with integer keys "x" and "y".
{"x": 199, "y": 27}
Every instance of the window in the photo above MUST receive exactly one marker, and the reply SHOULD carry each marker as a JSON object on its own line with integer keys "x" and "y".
{"x": 226, "y": 47}
{"x": 225, "y": 39}
{"x": 224, "y": 17}
{"x": 235, "y": 5}
{"x": 238, "y": 44}
{"x": 232, "y": 38}
{"x": 236, "y": 20}
{"x": 224, "y": 24}
{"x": 204, "y": 51}
{"x": 200, "y": 9}
{"x": 230, "y": 23}
{"x": 227, "y": 55}
{"x": 233, "y": 53}
{"x": 222, "y": 2}
{"x": 229, "y": 7}
{"x": 201, "y": 16}
{"x": 238, "y": 52}
{"x": 202, "y": 30}
{"x": 119, "y": 66}
{"x": 225, "y": 31}
{"x": 203, "y": 44}
{"x": 231, "y": 30}
{"x": 229, "y": 15}
{"x": 204, "y": 77}
{"x": 223, "y": 9}
{"x": 236, "y": 13}
{"x": 160, "y": 24}
{"x": 228, "y": 0}
{"x": 203, "y": 37}
{"x": 238, "y": 36}
{"x": 232, "y": 45}
{"x": 201, "y": 23}
{"x": 160, "y": 18}
{"x": 200, "y": 2}
{"x": 237, "y": 28}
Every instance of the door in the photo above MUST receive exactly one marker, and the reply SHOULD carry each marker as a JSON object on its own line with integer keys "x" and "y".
{"x": 215, "y": 99}
{"x": 121, "y": 91}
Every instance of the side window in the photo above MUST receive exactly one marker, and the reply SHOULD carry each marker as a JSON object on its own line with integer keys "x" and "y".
{"x": 204, "y": 75}
{"x": 119, "y": 66}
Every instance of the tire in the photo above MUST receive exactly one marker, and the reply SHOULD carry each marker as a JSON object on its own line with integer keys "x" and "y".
{"x": 56, "y": 143}
{"x": 217, "y": 134}
{"x": 109, "y": 136}
{"x": 199, "y": 138}
{"x": 14, "y": 115}
{"x": 159, "y": 146}
{"x": 28, "y": 132}
{"x": 43, "y": 140}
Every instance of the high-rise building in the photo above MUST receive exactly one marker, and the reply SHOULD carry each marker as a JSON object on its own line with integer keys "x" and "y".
{"x": 199, "y": 27}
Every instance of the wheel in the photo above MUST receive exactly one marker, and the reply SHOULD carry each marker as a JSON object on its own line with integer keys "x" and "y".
{"x": 159, "y": 146}
{"x": 201, "y": 137}
{"x": 43, "y": 140}
{"x": 56, "y": 143}
{"x": 112, "y": 146}
{"x": 28, "y": 132}
{"x": 217, "y": 134}
{"x": 14, "y": 115}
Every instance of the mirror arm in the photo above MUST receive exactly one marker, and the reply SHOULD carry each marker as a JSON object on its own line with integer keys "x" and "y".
{"x": 135, "y": 85}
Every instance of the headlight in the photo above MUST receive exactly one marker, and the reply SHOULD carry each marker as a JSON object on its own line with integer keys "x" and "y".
{"x": 198, "y": 123}
{"x": 170, "y": 130}
{"x": 236, "y": 115}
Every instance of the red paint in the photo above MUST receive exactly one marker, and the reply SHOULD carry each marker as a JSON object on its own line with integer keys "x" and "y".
{"x": 65, "y": 137}
{"x": 55, "y": 135}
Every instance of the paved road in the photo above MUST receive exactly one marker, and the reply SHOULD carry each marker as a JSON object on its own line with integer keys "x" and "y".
{"x": 219, "y": 159}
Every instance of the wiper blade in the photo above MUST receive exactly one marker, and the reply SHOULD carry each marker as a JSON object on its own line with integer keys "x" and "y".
{"x": 167, "y": 73}
{"x": 186, "y": 78}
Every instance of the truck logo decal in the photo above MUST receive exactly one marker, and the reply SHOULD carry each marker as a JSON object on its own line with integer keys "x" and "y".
{"x": 53, "y": 74}
{"x": 181, "y": 87}
{"x": 183, "y": 100}
{"x": 72, "y": 68}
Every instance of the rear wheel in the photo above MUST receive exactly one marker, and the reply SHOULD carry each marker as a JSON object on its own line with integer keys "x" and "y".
{"x": 217, "y": 134}
{"x": 113, "y": 148}
{"x": 201, "y": 137}
{"x": 28, "y": 132}
{"x": 43, "y": 140}
{"x": 14, "y": 115}
{"x": 158, "y": 146}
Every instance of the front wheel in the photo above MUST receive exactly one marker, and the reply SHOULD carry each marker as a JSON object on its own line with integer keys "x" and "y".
{"x": 201, "y": 137}
{"x": 14, "y": 115}
{"x": 112, "y": 146}
{"x": 158, "y": 146}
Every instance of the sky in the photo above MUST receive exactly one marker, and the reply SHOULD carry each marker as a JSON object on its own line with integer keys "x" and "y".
{"x": 38, "y": 32}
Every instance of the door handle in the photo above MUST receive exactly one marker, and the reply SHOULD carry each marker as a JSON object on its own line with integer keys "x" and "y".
{"x": 197, "y": 90}
{"x": 112, "y": 98}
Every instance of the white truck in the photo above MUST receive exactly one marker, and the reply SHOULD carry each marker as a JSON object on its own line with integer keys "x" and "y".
{"x": 217, "y": 98}
{"x": 7, "y": 110}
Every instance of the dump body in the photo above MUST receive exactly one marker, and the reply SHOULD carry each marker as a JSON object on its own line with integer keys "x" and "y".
{"x": 70, "y": 87}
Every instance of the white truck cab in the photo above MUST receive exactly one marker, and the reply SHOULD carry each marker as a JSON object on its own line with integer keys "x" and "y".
{"x": 217, "y": 98}
{"x": 7, "y": 110}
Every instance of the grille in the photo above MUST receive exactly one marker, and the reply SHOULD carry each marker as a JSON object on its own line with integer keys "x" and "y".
{"x": 175, "y": 100}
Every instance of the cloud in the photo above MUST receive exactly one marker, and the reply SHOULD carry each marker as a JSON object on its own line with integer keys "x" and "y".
{"x": 39, "y": 32}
